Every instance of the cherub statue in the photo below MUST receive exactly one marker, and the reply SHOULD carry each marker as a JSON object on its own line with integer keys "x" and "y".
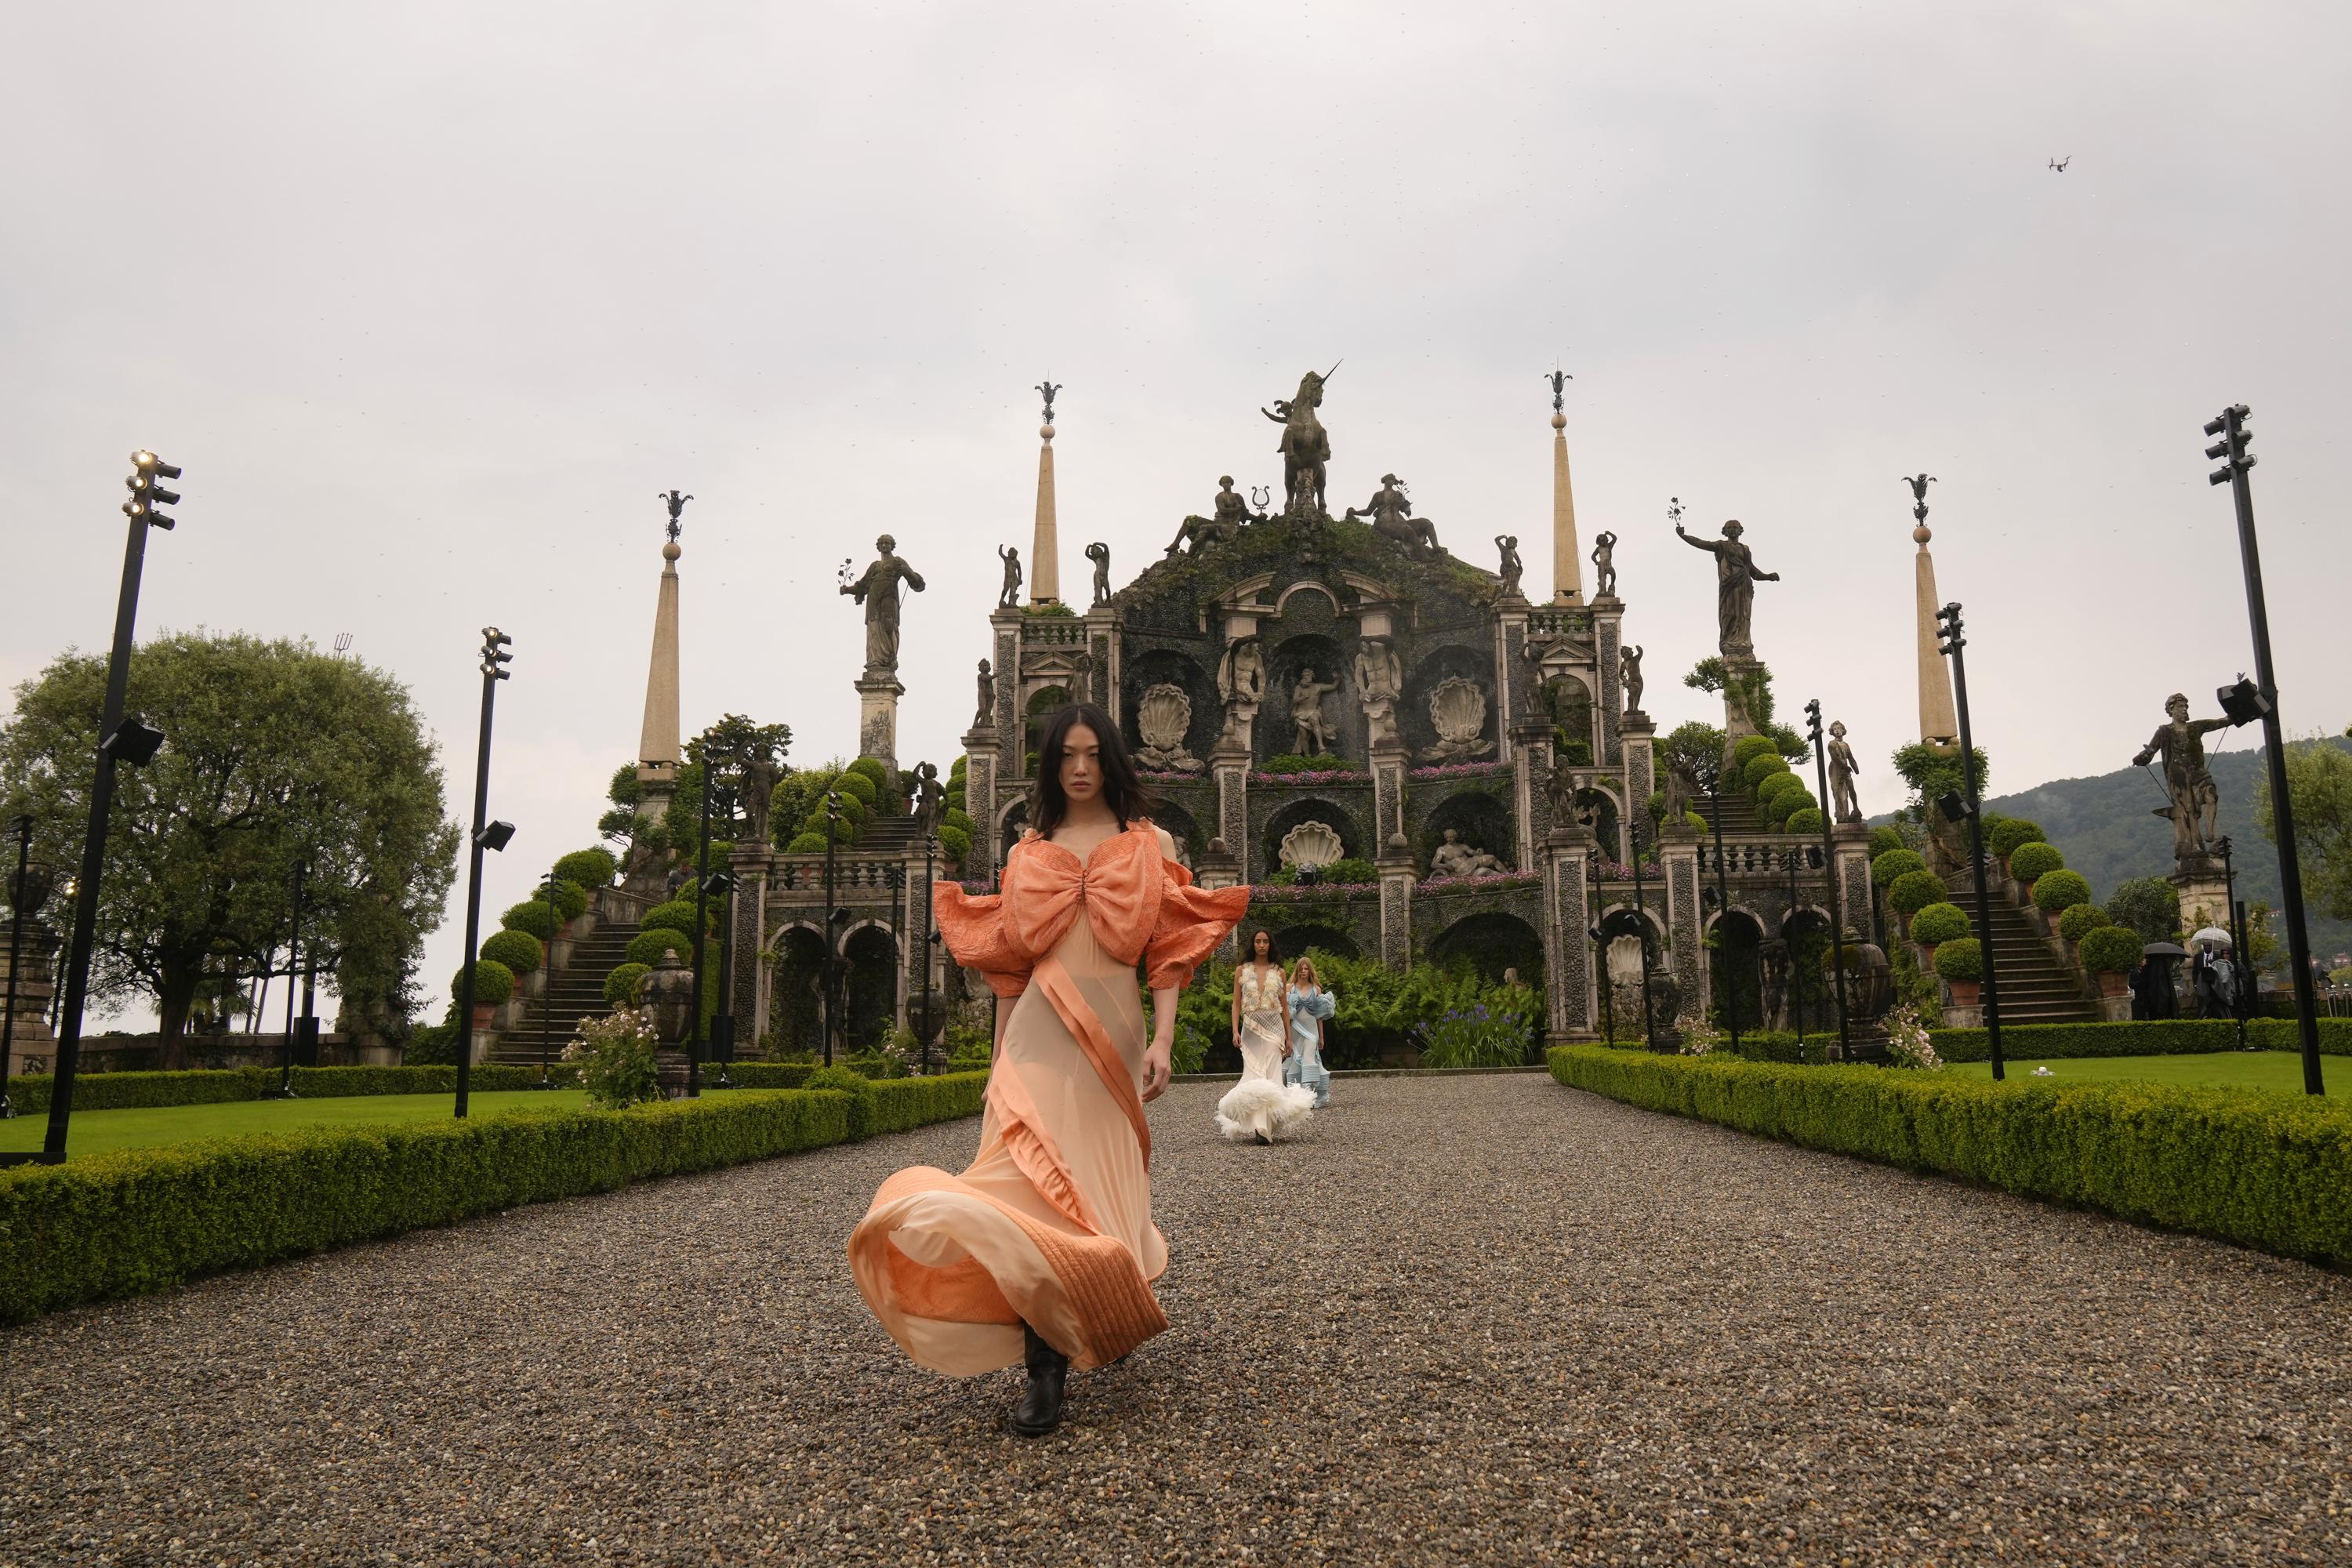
{"x": 1100, "y": 553}
{"x": 1508, "y": 544}
{"x": 1009, "y": 597}
{"x": 1604, "y": 568}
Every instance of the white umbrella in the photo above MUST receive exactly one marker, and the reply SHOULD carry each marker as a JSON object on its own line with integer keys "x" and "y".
{"x": 2213, "y": 934}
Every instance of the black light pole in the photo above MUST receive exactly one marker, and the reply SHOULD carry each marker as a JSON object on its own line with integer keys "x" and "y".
{"x": 121, "y": 738}
{"x": 22, "y": 827}
{"x": 1641, "y": 924}
{"x": 1953, "y": 641}
{"x": 1600, "y": 954}
{"x": 1828, "y": 869}
{"x": 495, "y": 659}
{"x": 1796, "y": 974}
{"x": 285, "y": 1089}
{"x": 931, "y": 942}
{"x": 722, "y": 1022}
{"x": 701, "y": 921}
{"x": 824, "y": 973}
{"x": 2237, "y": 465}
{"x": 547, "y": 994}
{"x": 1711, "y": 779}
{"x": 2241, "y": 971}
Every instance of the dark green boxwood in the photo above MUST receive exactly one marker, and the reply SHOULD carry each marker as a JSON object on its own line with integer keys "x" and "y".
{"x": 1747, "y": 748}
{"x": 518, "y": 950}
{"x": 2080, "y": 921}
{"x": 621, "y": 985}
{"x": 2009, "y": 833}
{"x": 1938, "y": 923}
{"x": 1781, "y": 807}
{"x": 1915, "y": 890}
{"x": 571, "y": 900}
{"x": 954, "y": 842}
{"x": 806, "y": 843}
{"x": 2111, "y": 950}
{"x": 676, "y": 915}
{"x": 2268, "y": 1171}
{"x": 863, "y": 789}
{"x": 591, "y": 867}
{"x": 1351, "y": 869}
{"x": 1773, "y": 785}
{"x": 1884, "y": 838}
{"x": 531, "y": 917}
{"x": 2056, "y": 891}
{"x": 493, "y": 983}
{"x": 221, "y": 1086}
{"x": 955, "y": 817}
{"x": 1889, "y": 864}
{"x": 2149, "y": 1037}
{"x": 2033, "y": 859}
{"x": 872, "y": 768}
{"x": 648, "y": 946}
{"x": 1759, "y": 770}
{"x": 1959, "y": 958}
{"x": 1806, "y": 820}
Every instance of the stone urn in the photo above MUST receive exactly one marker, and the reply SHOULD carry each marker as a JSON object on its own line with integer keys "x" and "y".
{"x": 27, "y": 896}
{"x": 1665, "y": 1006}
{"x": 668, "y": 991}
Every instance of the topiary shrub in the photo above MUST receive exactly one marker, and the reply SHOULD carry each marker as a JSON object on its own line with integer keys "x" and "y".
{"x": 844, "y": 1080}
{"x": 856, "y": 786}
{"x": 532, "y": 917}
{"x": 2032, "y": 860}
{"x": 955, "y": 817}
{"x": 1938, "y": 923}
{"x": 2080, "y": 921}
{"x": 805, "y": 842}
{"x": 1779, "y": 809}
{"x": 1769, "y": 764}
{"x": 2011, "y": 832}
{"x": 677, "y": 915}
{"x": 2056, "y": 891}
{"x": 1915, "y": 890}
{"x": 648, "y": 946}
{"x": 2111, "y": 950}
{"x": 1773, "y": 786}
{"x": 1750, "y": 747}
{"x": 955, "y": 842}
{"x": 571, "y": 900}
{"x": 493, "y": 983}
{"x": 518, "y": 950}
{"x": 1804, "y": 819}
{"x": 1961, "y": 958}
{"x": 872, "y": 768}
{"x": 1351, "y": 869}
{"x": 2148, "y": 905}
{"x": 588, "y": 867}
{"x": 1890, "y": 864}
{"x": 1884, "y": 838}
{"x": 621, "y": 986}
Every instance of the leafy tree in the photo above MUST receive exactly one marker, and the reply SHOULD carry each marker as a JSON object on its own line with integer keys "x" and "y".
{"x": 2319, "y": 785}
{"x": 1710, "y": 674}
{"x": 2150, "y": 905}
{"x": 275, "y": 754}
{"x": 730, "y": 742}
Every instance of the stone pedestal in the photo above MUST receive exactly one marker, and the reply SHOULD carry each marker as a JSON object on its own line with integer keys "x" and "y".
{"x": 1220, "y": 867}
{"x": 1389, "y": 763}
{"x": 1231, "y": 768}
{"x": 1531, "y": 765}
{"x": 1573, "y": 995}
{"x": 1850, "y": 851}
{"x": 1678, "y": 851}
{"x": 1641, "y": 779}
{"x": 32, "y": 1047}
{"x": 2204, "y": 897}
{"x": 1396, "y": 870}
{"x": 877, "y": 715}
{"x": 979, "y": 801}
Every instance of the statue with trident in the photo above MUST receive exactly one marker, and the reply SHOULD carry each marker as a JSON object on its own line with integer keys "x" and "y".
{"x": 1306, "y": 446}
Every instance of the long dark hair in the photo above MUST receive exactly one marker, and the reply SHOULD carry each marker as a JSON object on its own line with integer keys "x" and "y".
{"x": 1122, "y": 789}
{"x": 1273, "y": 947}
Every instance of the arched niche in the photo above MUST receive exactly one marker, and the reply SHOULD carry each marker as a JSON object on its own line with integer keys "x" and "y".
{"x": 1352, "y": 837}
{"x": 871, "y": 954}
{"x": 1167, "y": 666}
{"x": 1482, "y": 821}
{"x": 1422, "y": 680}
{"x": 1491, "y": 942}
{"x": 797, "y": 1003}
{"x": 1012, "y": 824}
{"x": 1573, "y": 717}
{"x": 1277, "y": 730}
{"x": 1735, "y": 964}
{"x": 1190, "y": 842}
{"x": 1042, "y": 704}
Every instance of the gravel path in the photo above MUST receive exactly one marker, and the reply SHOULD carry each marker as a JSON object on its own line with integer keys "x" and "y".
{"x": 1482, "y": 1321}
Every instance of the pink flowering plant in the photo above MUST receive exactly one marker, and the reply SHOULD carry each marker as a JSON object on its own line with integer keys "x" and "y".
{"x": 1482, "y": 882}
{"x": 1907, "y": 1042}
{"x": 1460, "y": 770}
{"x": 1700, "y": 1039}
{"x": 1317, "y": 776}
{"x": 615, "y": 1059}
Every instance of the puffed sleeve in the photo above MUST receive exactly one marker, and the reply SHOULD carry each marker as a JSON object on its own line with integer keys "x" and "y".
{"x": 1193, "y": 920}
{"x": 972, "y": 926}
{"x": 1321, "y": 1003}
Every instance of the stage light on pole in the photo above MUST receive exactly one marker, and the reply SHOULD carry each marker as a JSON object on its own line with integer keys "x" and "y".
{"x": 1951, "y": 641}
{"x": 486, "y": 834}
{"x": 146, "y": 494}
{"x": 495, "y": 836}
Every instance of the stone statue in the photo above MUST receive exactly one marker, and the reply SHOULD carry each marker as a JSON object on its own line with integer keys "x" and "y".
{"x": 1230, "y": 514}
{"x": 930, "y": 798}
{"x": 1563, "y": 792}
{"x": 1457, "y": 711}
{"x": 1919, "y": 483}
{"x": 2196, "y": 802}
{"x": 1842, "y": 770}
{"x": 1240, "y": 674}
{"x": 1736, "y": 577}
{"x": 1508, "y": 544}
{"x": 1628, "y": 673}
{"x": 676, "y": 503}
{"x": 1100, "y": 553}
{"x": 758, "y": 789}
{"x": 1048, "y": 388}
{"x": 985, "y": 714}
{"x": 1871, "y": 992}
{"x": 878, "y": 590}
{"x": 1559, "y": 380}
{"x": 1306, "y": 695}
{"x": 1456, "y": 858}
{"x": 1392, "y": 518}
{"x": 1604, "y": 565}
{"x": 1008, "y": 597}
{"x": 1681, "y": 783}
{"x": 1306, "y": 446}
{"x": 1379, "y": 681}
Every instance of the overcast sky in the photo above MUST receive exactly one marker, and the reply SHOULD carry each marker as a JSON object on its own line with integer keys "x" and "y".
{"x": 430, "y": 299}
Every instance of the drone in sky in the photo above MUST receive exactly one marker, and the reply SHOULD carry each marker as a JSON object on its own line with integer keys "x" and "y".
{"x": 2060, "y": 163}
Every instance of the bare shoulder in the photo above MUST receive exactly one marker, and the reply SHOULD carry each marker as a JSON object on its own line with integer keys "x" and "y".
{"x": 1167, "y": 844}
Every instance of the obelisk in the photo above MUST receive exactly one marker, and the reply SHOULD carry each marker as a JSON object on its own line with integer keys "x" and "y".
{"x": 1567, "y": 562}
{"x": 658, "y": 744}
{"x": 1939, "y": 724}
{"x": 1045, "y": 552}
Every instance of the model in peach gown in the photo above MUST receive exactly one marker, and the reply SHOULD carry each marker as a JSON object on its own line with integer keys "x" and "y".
{"x": 1051, "y": 1224}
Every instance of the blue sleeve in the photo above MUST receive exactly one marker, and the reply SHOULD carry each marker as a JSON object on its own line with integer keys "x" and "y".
{"x": 1321, "y": 1003}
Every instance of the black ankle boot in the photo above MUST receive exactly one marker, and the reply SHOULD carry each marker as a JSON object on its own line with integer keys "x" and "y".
{"x": 1040, "y": 1410}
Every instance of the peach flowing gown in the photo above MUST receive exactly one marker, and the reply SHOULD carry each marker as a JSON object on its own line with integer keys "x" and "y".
{"x": 1050, "y": 1223}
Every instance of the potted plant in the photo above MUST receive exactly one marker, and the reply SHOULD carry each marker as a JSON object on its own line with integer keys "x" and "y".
{"x": 2056, "y": 892}
{"x": 1959, "y": 962}
{"x": 1938, "y": 923}
{"x": 2030, "y": 861}
{"x": 2078, "y": 922}
{"x": 493, "y": 984}
{"x": 2111, "y": 952}
{"x": 1914, "y": 891}
{"x": 2007, "y": 835}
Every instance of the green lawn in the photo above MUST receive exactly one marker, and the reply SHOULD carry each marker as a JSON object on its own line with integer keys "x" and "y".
{"x": 103, "y": 1132}
{"x": 2277, "y": 1070}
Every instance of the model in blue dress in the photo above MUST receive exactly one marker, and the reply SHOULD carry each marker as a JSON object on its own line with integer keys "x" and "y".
{"x": 1311, "y": 1005}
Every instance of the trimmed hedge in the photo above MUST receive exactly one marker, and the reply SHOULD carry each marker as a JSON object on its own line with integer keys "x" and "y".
{"x": 147, "y": 1219}
{"x": 648, "y": 946}
{"x": 1939, "y": 922}
{"x": 529, "y": 917}
{"x": 571, "y": 900}
{"x": 621, "y": 984}
{"x": 1961, "y": 958}
{"x": 806, "y": 843}
{"x": 677, "y": 915}
{"x": 2113, "y": 949}
{"x": 493, "y": 983}
{"x": 1884, "y": 838}
{"x": 220, "y": 1086}
{"x": 2080, "y": 921}
{"x": 518, "y": 950}
{"x": 2005, "y": 836}
{"x": 2267, "y": 1171}
{"x": 2151, "y": 1037}
{"x": 1915, "y": 890}
{"x": 2032, "y": 860}
{"x": 591, "y": 867}
{"x": 1747, "y": 748}
{"x": 1761, "y": 775}
{"x": 1806, "y": 819}
{"x": 858, "y": 786}
{"x": 1889, "y": 864}
{"x": 2056, "y": 891}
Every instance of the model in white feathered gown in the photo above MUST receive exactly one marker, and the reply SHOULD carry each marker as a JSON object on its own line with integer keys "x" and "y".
{"x": 1261, "y": 1107}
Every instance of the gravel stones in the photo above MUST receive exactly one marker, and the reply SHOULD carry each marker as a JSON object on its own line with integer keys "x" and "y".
{"x": 1481, "y": 1319}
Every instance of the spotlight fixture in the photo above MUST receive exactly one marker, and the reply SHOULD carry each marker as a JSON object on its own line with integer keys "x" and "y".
{"x": 134, "y": 740}
{"x": 494, "y": 835}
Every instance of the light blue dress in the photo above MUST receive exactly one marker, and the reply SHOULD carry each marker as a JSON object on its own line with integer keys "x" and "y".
{"x": 1304, "y": 1063}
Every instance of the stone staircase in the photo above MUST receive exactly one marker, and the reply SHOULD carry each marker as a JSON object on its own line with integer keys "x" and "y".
{"x": 574, "y": 992}
{"x": 2035, "y": 987}
{"x": 1739, "y": 815}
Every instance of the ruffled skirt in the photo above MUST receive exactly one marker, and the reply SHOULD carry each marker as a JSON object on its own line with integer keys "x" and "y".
{"x": 1261, "y": 1105}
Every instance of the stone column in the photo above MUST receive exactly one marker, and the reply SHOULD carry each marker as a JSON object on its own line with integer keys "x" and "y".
{"x": 1567, "y": 560}
{"x": 1568, "y": 956}
{"x": 915, "y": 922}
{"x": 1011, "y": 734}
{"x": 980, "y": 802}
{"x": 1531, "y": 768}
{"x": 1678, "y": 847}
{"x": 1606, "y": 642}
{"x": 1850, "y": 847}
{"x": 749, "y": 863}
{"x": 1513, "y": 698}
{"x": 1938, "y": 722}
{"x": 32, "y": 1046}
{"x": 878, "y": 716}
{"x": 1396, "y": 870}
{"x": 1045, "y": 549}
{"x": 1230, "y": 766}
{"x": 2204, "y": 897}
{"x": 1219, "y": 868}
{"x": 1640, "y": 779}
{"x": 659, "y": 752}
{"x": 1102, "y": 649}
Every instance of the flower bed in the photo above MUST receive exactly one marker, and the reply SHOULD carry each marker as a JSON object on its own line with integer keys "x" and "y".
{"x": 1484, "y": 882}
{"x": 1461, "y": 771}
{"x": 2266, "y": 1171}
{"x": 1279, "y": 893}
{"x": 1320, "y": 776}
